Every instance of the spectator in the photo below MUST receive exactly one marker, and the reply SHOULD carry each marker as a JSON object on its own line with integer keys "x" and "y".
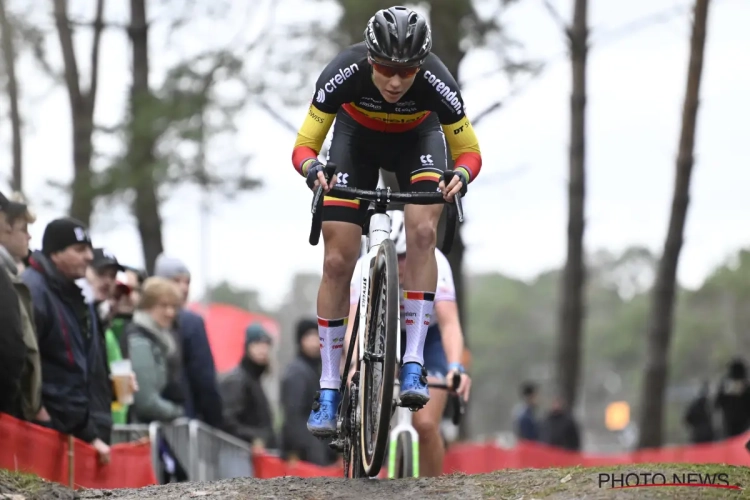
{"x": 13, "y": 350}
{"x": 202, "y": 399}
{"x": 69, "y": 344}
{"x": 20, "y": 236}
{"x": 527, "y": 426}
{"x": 126, "y": 296}
{"x": 298, "y": 387}
{"x": 151, "y": 344}
{"x": 247, "y": 413}
{"x": 733, "y": 399}
{"x": 100, "y": 281}
{"x": 560, "y": 428}
{"x": 698, "y": 417}
{"x": 100, "y": 276}
{"x": 14, "y": 246}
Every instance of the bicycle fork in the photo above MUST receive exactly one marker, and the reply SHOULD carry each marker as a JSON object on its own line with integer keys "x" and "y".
{"x": 404, "y": 425}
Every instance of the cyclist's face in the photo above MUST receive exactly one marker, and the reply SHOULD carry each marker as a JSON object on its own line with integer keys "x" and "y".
{"x": 392, "y": 82}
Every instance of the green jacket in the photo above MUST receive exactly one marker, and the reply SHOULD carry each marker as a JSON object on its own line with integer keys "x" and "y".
{"x": 114, "y": 353}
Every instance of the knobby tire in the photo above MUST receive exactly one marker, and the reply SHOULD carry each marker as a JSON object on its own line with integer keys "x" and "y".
{"x": 377, "y": 391}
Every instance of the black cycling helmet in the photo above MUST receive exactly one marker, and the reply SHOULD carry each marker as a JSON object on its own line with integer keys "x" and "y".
{"x": 399, "y": 35}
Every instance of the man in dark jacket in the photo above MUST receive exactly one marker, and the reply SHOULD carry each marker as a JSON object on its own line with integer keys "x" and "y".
{"x": 298, "y": 388}
{"x": 69, "y": 343}
{"x": 12, "y": 346}
{"x": 560, "y": 429}
{"x": 733, "y": 399}
{"x": 699, "y": 417}
{"x": 247, "y": 413}
{"x": 100, "y": 276}
{"x": 199, "y": 374}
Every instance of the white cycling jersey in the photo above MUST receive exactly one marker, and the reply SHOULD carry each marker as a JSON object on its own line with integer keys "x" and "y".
{"x": 446, "y": 291}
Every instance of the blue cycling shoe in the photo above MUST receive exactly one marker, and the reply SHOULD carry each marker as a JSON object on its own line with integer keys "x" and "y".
{"x": 322, "y": 421}
{"x": 414, "y": 392}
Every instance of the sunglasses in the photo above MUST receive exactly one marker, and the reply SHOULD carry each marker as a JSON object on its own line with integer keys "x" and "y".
{"x": 390, "y": 71}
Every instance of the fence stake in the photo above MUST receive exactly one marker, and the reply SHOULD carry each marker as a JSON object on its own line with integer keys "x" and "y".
{"x": 71, "y": 463}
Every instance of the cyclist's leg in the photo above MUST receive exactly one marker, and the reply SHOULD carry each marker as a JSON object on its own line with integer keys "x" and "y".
{"x": 342, "y": 230}
{"x": 427, "y": 420}
{"x": 419, "y": 170}
{"x": 427, "y": 423}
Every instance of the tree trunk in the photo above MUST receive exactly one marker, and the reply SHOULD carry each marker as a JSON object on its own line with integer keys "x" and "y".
{"x": 662, "y": 309}
{"x": 81, "y": 108}
{"x": 571, "y": 300}
{"x": 9, "y": 61}
{"x": 141, "y": 159}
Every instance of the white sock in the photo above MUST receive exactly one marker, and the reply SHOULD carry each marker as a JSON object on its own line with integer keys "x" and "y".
{"x": 417, "y": 312}
{"x": 331, "y": 333}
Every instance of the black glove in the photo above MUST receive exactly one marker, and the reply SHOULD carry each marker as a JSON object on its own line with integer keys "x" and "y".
{"x": 312, "y": 172}
{"x": 462, "y": 177}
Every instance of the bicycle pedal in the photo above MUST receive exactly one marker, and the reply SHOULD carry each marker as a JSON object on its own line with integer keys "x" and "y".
{"x": 337, "y": 445}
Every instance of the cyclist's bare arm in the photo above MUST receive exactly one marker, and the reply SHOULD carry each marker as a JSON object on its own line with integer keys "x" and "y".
{"x": 450, "y": 330}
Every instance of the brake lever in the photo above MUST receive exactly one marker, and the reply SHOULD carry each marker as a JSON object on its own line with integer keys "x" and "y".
{"x": 329, "y": 171}
{"x": 448, "y": 177}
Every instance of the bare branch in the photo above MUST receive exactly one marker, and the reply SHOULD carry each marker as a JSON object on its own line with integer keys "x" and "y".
{"x": 276, "y": 116}
{"x": 69, "y": 57}
{"x": 487, "y": 111}
{"x": 76, "y": 23}
{"x": 556, "y": 16}
{"x": 98, "y": 28}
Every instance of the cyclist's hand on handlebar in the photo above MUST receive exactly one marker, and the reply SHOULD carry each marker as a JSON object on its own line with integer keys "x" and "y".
{"x": 316, "y": 177}
{"x": 464, "y": 388}
{"x": 458, "y": 184}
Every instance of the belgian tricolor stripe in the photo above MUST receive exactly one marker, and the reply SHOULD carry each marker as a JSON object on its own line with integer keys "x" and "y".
{"x": 330, "y": 201}
{"x": 425, "y": 176}
{"x": 331, "y": 323}
{"x": 471, "y": 162}
{"x": 419, "y": 295}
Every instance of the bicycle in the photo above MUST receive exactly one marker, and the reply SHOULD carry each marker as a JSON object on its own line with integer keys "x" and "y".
{"x": 403, "y": 452}
{"x": 366, "y": 407}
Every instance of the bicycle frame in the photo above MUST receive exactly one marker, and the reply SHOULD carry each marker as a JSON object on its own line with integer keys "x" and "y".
{"x": 403, "y": 424}
{"x": 379, "y": 229}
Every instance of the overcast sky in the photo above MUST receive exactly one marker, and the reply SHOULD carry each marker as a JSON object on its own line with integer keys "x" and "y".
{"x": 516, "y": 209}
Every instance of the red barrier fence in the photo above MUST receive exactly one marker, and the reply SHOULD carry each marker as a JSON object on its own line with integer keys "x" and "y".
{"x": 471, "y": 458}
{"x": 26, "y": 447}
{"x": 30, "y": 448}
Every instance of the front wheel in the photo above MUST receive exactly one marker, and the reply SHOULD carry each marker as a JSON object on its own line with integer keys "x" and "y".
{"x": 379, "y": 363}
{"x": 406, "y": 459}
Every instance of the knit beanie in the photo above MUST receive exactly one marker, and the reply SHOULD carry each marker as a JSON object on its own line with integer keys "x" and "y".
{"x": 303, "y": 326}
{"x": 63, "y": 233}
{"x": 256, "y": 333}
{"x": 170, "y": 267}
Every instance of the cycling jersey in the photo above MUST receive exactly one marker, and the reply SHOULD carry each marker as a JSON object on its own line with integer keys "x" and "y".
{"x": 346, "y": 85}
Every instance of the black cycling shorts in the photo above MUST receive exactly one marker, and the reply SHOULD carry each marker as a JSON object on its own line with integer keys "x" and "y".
{"x": 417, "y": 157}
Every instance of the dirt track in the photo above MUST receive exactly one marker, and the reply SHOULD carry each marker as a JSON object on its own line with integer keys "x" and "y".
{"x": 528, "y": 484}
